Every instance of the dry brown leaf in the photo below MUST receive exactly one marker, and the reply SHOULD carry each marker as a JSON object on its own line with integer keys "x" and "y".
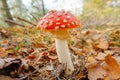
{"x": 116, "y": 49}
{"x": 80, "y": 76}
{"x": 3, "y": 31}
{"x": 59, "y": 70}
{"x": 112, "y": 63}
{"x": 111, "y": 52}
{"x": 96, "y": 73}
{"x": 103, "y": 44}
{"x": 85, "y": 32}
{"x": 112, "y": 68}
{"x": 91, "y": 63}
{"x": 95, "y": 70}
{"x": 15, "y": 29}
{"x": 52, "y": 49}
{"x": 100, "y": 56}
{"x": 53, "y": 57}
{"x": 96, "y": 37}
{"x": 2, "y": 77}
{"x": 3, "y": 53}
{"x": 78, "y": 51}
{"x": 19, "y": 39}
{"x": 38, "y": 45}
{"x": 89, "y": 50}
{"x": 2, "y": 63}
{"x": 25, "y": 63}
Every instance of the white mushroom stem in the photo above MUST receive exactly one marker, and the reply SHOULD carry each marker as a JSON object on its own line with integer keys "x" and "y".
{"x": 64, "y": 55}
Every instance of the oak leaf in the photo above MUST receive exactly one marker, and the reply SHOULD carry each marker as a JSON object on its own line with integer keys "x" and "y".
{"x": 112, "y": 68}
{"x": 103, "y": 44}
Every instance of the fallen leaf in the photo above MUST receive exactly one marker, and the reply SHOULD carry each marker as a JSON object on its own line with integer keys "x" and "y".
{"x": 19, "y": 39}
{"x": 52, "y": 49}
{"x": 111, "y": 52}
{"x": 78, "y": 51}
{"x": 112, "y": 68}
{"x": 91, "y": 63}
{"x": 102, "y": 44}
{"x": 31, "y": 57}
{"x": 116, "y": 49}
{"x": 59, "y": 70}
{"x": 112, "y": 63}
{"x": 100, "y": 56}
{"x": 3, "y": 53}
{"x": 80, "y": 76}
{"x": 2, "y": 77}
{"x": 38, "y": 45}
{"x": 2, "y": 63}
{"x": 3, "y": 31}
{"x": 25, "y": 63}
{"x": 52, "y": 57}
{"x": 89, "y": 50}
{"x": 96, "y": 73}
{"x": 96, "y": 37}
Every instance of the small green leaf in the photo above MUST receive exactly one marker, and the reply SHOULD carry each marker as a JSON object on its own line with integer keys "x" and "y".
{"x": 17, "y": 48}
{"x": 71, "y": 42}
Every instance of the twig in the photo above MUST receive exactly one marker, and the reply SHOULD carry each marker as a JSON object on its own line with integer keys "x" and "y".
{"x": 81, "y": 69}
{"x": 34, "y": 17}
{"x": 51, "y": 64}
{"x": 19, "y": 18}
{"x": 27, "y": 75}
{"x": 12, "y": 22}
{"x": 39, "y": 56}
{"x": 43, "y": 7}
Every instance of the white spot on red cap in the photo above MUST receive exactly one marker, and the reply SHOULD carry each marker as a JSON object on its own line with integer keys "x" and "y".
{"x": 64, "y": 20}
{"x": 41, "y": 22}
{"x": 50, "y": 23}
{"x": 59, "y": 14}
{"x": 68, "y": 24}
{"x": 58, "y": 19}
{"x": 56, "y": 27}
{"x": 57, "y": 23}
{"x": 46, "y": 22}
{"x": 44, "y": 27}
{"x": 53, "y": 11}
{"x": 68, "y": 17}
{"x": 62, "y": 26}
{"x": 73, "y": 22}
{"x": 51, "y": 16}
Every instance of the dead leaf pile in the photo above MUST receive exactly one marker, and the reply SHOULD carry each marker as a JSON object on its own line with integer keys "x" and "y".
{"x": 104, "y": 67}
{"x": 29, "y": 54}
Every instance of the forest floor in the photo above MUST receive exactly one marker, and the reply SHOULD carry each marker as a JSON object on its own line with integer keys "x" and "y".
{"x": 29, "y": 54}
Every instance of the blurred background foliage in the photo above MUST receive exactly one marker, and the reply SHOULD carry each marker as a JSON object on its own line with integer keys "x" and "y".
{"x": 101, "y": 13}
{"x": 95, "y": 13}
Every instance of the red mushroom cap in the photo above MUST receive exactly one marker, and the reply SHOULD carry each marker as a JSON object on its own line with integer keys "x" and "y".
{"x": 55, "y": 20}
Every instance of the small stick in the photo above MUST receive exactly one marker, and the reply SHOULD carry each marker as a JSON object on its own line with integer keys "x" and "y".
{"x": 25, "y": 20}
{"x": 12, "y": 22}
{"x": 34, "y": 17}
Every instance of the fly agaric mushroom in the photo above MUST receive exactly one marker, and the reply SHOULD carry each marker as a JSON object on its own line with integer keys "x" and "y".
{"x": 57, "y": 23}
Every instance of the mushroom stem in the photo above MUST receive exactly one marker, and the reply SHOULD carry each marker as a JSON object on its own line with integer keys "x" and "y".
{"x": 64, "y": 55}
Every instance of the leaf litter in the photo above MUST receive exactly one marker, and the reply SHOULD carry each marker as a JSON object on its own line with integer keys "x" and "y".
{"x": 27, "y": 54}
